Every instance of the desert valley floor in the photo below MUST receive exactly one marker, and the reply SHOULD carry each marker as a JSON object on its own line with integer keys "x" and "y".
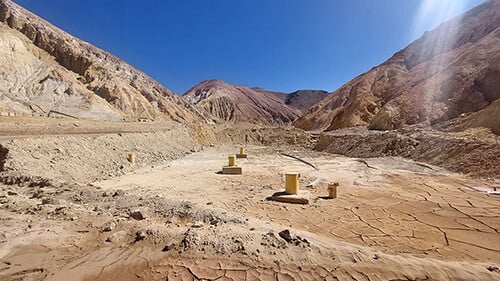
{"x": 108, "y": 174}
{"x": 393, "y": 219}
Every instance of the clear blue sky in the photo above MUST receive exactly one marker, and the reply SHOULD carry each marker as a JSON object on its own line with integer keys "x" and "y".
{"x": 281, "y": 45}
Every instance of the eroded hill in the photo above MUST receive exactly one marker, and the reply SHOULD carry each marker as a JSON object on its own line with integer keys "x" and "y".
{"x": 44, "y": 69}
{"x": 450, "y": 73}
{"x": 241, "y": 104}
{"x": 236, "y": 103}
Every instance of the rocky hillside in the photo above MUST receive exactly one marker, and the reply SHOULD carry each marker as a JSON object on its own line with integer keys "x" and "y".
{"x": 241, "y": 104}
{"x": 450, "y": 75}
{"x": 303, "y": 99}
{"x": 44, "y": 69}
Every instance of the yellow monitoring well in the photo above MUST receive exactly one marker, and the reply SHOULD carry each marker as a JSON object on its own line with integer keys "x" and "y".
{"x": 131, "y": 158}
{"x": 232, "y": 168}
{"x": 242, "y": 153}
{"x": 332, "y": 190}
{"x": 292, "y": 182}
{"x": 232, "y": 161}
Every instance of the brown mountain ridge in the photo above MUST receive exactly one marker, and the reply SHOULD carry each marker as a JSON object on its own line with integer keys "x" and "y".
{"x": 452, "y": 72}
{"x": 301, "y": 99}
{"x": 236, "y": 103}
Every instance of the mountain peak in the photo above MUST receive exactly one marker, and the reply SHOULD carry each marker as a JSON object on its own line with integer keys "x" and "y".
{"x": 236, "y": 103}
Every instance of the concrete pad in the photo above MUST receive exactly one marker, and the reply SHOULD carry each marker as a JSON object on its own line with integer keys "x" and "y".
{"x": 241, "y": 155}
{"x": 282, "y": 196}
{"x": 231, "y": 170}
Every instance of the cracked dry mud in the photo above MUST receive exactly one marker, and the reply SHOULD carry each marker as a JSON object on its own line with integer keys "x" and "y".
{"x": 394, "y": 205}
{"x": 394, "y": 219}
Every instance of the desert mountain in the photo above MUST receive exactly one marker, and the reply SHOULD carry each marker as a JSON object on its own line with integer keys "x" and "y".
{"x": 44, "y": 69}
{"x": 449, "y": 74}
{"x": 301, "y": 99}
{"x": 241, "y": 104}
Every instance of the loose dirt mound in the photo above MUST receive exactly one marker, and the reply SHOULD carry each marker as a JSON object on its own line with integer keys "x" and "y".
{"x": 487, "y": 118}
{"x": 86, "y": 158}
{"x": 474, "y": 152}
{"x": 261, "y": 135}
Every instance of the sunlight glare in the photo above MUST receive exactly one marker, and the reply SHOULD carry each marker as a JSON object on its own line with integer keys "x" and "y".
{"x": 433, "y": 12}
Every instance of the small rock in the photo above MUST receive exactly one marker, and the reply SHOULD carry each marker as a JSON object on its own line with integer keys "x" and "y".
{"x": 60, "y": 210}
{"x": 11, "y": 193}
{"x": 168, "y": 248}
{"x": 197, "y": 224}
{"x": 108, "y": 227}
{"x": 117, "y": 236}
{"x": 492, "y": 268}
{"x": 137, "y": 215}
{"x": 49, "y": 201}
{"x": 140, "y": 235}
{"x": 285, "y": 234}
{"x": 376, "y": 257}
{"x": 119, "y": 192}
{"x": 214, "y": 221}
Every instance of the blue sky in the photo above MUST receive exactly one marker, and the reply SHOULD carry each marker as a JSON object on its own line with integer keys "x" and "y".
{"x": 280, "y": 45}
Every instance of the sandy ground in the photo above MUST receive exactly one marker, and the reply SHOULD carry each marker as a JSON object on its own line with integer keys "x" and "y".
{"x": 394, "y": 219}
{"x": 391, "y": 204}
{"x": 35, "y": 126}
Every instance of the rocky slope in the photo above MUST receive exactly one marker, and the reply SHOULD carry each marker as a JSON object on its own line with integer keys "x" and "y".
{"x": 44, "y": 69}
{"x": 241, "y": 104}
{"x": 301, "y": 99}
{"x": 451, "y": 72}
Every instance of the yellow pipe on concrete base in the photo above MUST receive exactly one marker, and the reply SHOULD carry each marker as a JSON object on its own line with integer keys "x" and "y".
{"x": 242, "y": 150}
{"x": 292, "y": 182}
{"x": 232, "y": 160}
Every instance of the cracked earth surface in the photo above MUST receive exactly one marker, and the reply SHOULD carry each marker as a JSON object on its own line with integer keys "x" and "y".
{"x": 391, "y": 204}
{"x": 394, "y": 219}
